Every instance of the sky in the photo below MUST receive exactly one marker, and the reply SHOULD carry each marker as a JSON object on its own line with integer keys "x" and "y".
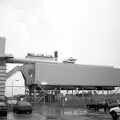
{"x": 88, "y": 30}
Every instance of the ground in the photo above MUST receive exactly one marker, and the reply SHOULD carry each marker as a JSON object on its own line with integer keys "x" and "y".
{"x": 44, "y": 112}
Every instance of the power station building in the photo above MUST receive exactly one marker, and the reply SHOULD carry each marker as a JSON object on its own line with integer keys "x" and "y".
{"x": 66, "y": 74}
{"x": 46, "y": 70}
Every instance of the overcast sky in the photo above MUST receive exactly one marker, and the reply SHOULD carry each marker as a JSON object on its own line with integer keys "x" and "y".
{"x": 88, "y": 30}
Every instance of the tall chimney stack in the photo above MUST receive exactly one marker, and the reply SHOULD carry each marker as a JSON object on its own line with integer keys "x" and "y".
{"x": 56, "y": 55}
{"x": 2, "y": 46}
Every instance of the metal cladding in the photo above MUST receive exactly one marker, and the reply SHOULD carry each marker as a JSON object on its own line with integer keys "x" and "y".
{"x": 74, "y": 74}
{"x": 62, "y": 74}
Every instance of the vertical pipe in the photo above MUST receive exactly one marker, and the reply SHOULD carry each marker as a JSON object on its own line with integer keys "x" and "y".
{"x": 12, "y": 87}
{"x": 2, "y": 46}
{"x": 44, "y": 99}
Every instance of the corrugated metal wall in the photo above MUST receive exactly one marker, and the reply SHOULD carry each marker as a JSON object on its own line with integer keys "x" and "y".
{"x": 74, "y": 74}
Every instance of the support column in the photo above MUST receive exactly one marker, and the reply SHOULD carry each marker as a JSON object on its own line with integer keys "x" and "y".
{"x": 2, "y": 66}
{"x": 2, "y": 78}
{"x": 3, "y": 59}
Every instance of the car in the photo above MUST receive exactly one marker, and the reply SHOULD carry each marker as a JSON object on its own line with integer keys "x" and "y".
{"x": 22, "y": 107}
{"x": 115, "y": 112}
{"x": 3, "y": 106}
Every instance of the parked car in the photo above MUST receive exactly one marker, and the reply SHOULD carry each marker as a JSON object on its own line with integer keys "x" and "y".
{"x": 22, "y": 107}
{"x": 3, "y": 106}
{"x": 115, "y": 112}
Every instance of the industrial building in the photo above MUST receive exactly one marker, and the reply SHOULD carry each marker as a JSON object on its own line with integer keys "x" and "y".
{"x": 54, "y": 78}
{"x": 45, "y": 77}
{"x": 67, "y": 74}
